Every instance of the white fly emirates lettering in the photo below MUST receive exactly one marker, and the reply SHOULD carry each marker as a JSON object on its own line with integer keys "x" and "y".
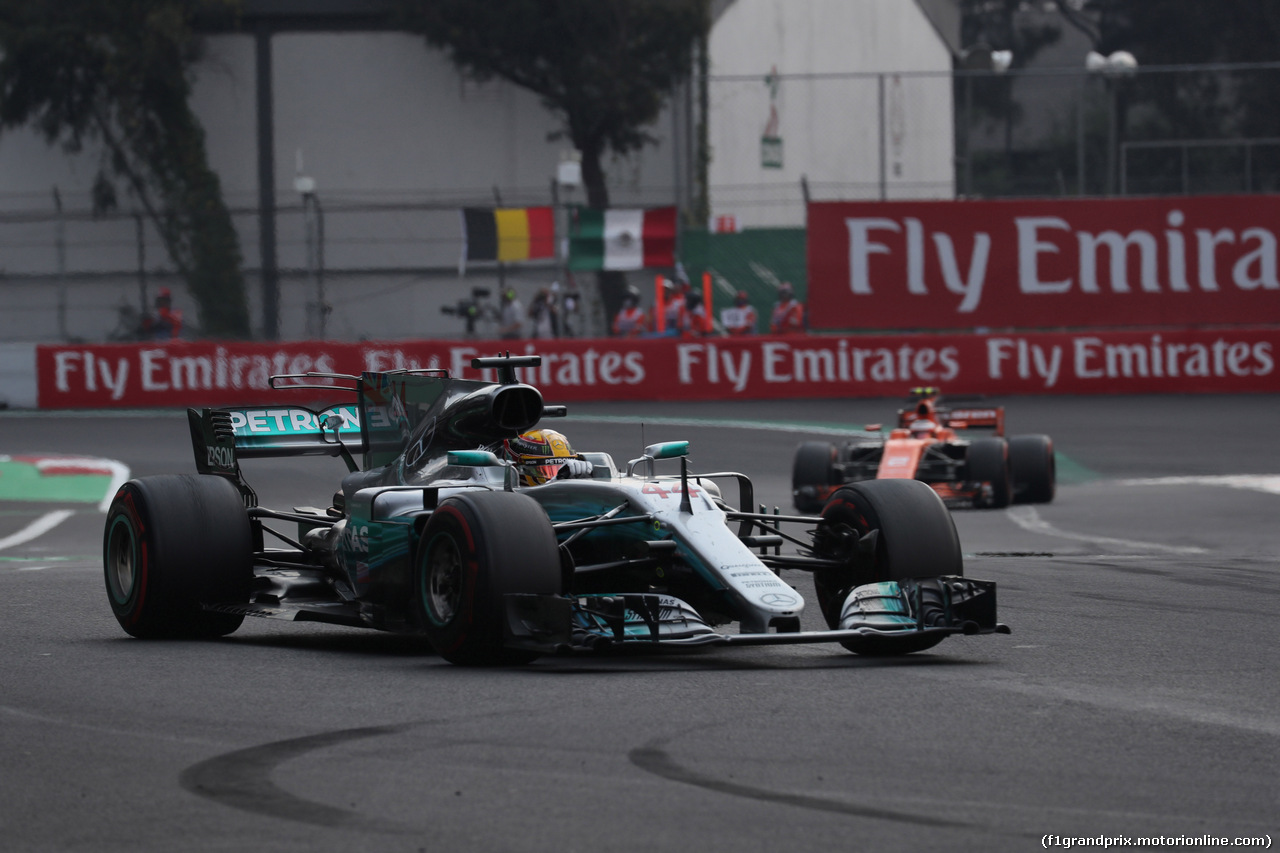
{"x": 780, "y": 362}
{"x": 158, "y": 371}
{"x": 379, "y": 359}
{"x": 862, "y": 247}
{"x": 84, "y": 371}
{"x": 1175, "y": 260}
{"x": 564, "y": 368}
{"x": 1089, "y": 357}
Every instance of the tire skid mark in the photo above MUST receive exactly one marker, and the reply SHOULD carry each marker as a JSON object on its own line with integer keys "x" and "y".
{"x": 242, "y": 780}
{"x": 652, "y": 758}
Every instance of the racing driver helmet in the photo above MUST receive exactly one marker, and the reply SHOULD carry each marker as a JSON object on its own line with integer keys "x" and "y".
{"x": 538, "y": 455}
{"x": 922, "y": 428}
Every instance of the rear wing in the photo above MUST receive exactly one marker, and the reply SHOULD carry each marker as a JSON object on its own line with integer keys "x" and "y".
{"x": 390, "y": 407}
{"x": 988, "y": 417}
{"x": 956, "y": 413}
{"x": 222, "y": 437}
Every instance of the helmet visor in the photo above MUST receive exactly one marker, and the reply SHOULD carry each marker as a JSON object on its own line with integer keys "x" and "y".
{"x": 544, "y": 470}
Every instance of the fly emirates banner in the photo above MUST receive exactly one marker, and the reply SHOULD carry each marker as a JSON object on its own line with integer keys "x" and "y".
{"x": 1222, "y": 359}
{"x": 1074, "y": 263}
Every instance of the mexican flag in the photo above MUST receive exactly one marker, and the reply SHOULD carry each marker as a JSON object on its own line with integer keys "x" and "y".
{"x": 623, "y": 239}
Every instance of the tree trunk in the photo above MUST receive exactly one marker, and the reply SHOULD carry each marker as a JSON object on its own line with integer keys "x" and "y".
{"x": 610, "y": 284}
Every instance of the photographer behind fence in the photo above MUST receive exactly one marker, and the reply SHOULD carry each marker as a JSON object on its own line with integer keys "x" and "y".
{"x": 472, "y": 311}
{"x": 544, "y": 314}
{"x": 510, "y": 316}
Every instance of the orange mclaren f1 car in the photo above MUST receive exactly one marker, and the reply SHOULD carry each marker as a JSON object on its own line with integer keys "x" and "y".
{"x": 927, "y": 444}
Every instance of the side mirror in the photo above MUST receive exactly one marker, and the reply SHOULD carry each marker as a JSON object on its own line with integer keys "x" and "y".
{"x": 668, "y": 450}
{"x": 474, "y": 458}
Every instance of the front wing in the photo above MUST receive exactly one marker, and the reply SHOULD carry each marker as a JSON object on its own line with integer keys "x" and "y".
{"x": 895, "y": 613}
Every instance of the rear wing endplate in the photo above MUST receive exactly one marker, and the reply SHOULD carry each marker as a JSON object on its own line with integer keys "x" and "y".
{"x": 220, "y": 438}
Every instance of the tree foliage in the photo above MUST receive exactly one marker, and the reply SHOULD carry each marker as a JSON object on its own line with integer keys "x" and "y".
{"x": 999, "y": 25}
{"x": 1173, "y": 96}
{"x": 1186, "y": 32}
{"x": 118, "y": 74}
{"x": 987, "y": 25}
{"x": 603, "y": 67}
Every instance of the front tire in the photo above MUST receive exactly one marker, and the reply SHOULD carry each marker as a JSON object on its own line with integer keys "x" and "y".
{"x": 988, "y": 462}
{"x": 1035, "y": 473}
{"x": 172, "y": 543}
{"x": 916, "y": 537}
{"x": 812, "y": 475}
{"x": 476, "y": 548}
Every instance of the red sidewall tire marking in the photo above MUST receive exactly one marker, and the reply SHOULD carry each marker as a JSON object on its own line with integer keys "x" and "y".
{"x": 465, "y": 619}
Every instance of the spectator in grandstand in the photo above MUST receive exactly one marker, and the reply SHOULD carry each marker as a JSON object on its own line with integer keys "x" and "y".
{"x": 545, "y": 315}
{"x": 675, "y": 308}
{"x": 696, "y": 314}
{"x": 510, "y": 315}
{"x": 630, "y": 321}
{"x": 739, "y": 318}
{"x": 788, "y": 313}
{"x": 166, "y": 323}
{"x": 570, "y": 300}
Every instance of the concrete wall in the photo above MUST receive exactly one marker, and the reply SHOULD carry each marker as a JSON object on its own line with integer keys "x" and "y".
{"x": 382, "y": 120}
{"x": 378, "y": 117}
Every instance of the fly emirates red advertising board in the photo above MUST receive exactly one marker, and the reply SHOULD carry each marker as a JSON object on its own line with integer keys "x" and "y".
{"x": 198, "y": 374}
{"x": 1076, "y": 263}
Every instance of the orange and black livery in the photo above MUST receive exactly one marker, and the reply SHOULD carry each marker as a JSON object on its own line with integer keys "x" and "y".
{"x": 958, "y": 447}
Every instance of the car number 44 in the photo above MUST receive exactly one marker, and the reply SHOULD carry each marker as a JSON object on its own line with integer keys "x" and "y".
{"x": 655, "y": 489}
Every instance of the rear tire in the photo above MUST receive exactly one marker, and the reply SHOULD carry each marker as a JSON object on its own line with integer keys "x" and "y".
{"x": 917, "y": 538}
{"x": 988, "y": 462}
{"x": 812, "y": 471}
{"x": 1035, "y": 470}
{"x": 476, "y": 548}
{"x": 171, "y": 543}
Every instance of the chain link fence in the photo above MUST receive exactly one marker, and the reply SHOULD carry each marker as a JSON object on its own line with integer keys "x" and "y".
{"x": 390, "y": 268}
{"x": 1145, "y": 131}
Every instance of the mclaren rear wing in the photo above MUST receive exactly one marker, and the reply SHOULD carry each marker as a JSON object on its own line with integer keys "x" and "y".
{"x": 976, "y": 417}
{"x": 958, "y": 413}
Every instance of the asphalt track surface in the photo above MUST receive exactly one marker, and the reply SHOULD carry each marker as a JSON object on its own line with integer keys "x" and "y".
{"x": 1137, "y": 696}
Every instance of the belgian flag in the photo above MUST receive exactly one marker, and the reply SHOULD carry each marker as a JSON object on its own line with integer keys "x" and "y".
{"x": 508, "y": 233}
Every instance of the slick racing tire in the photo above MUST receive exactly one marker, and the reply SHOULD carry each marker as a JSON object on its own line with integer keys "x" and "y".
{"x": 915, "y": 538}
{"x": 477, "y": 547}
{"x": 1035, "y": 472}
{"x": 172, "y": 543}
{"x": 812, "y": 475}
{"x": 988, "y": 462}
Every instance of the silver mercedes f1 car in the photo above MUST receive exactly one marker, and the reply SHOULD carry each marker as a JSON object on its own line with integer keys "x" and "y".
{"x": 432, "y": 533}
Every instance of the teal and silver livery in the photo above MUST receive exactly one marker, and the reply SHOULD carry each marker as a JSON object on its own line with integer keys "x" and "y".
{"x": 431, "y": 532}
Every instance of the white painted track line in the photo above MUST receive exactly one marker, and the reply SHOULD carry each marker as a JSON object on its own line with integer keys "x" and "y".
{"x": 1029, "y": 519}
{"x": 39, "y": 527}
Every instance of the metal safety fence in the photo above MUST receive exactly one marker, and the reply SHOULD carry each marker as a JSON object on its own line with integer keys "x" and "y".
{"x": 389, "y": 266}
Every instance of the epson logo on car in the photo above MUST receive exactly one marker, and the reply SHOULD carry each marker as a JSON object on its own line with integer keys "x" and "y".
{"x": 220, "y": 457}
{"x": 357, "y": 538}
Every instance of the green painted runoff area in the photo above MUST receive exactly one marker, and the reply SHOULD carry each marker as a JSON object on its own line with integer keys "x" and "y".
{"x": 22, "y": 482}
